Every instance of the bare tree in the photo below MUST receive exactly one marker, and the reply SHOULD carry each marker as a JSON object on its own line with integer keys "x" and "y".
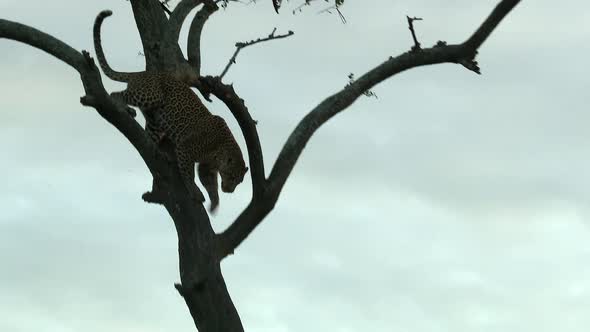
{"x": 200, "y": 249}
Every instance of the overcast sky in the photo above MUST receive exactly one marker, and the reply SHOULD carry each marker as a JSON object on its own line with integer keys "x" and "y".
{"x": 453, "y": 202}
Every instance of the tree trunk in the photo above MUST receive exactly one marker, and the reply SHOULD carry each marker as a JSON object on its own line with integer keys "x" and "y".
{"x": 202, "y": 284}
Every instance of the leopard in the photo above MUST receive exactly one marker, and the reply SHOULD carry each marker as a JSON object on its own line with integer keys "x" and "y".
{"x": 173, "y": 111}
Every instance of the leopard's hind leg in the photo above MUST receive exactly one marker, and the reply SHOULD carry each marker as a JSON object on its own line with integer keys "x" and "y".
{"x": 144, "y": 91}
{"x": 186, "y": 167}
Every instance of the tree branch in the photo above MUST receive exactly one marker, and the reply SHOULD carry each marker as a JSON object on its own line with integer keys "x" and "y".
{"x": 179, "y": 14}
{"x": 96, "y": 96}
{"x": 491, "y": 22}
{"x": 253, "y": 215}
{"x": 194, "y": 34}
{"x": 41, "y": 40}
{"x": 230, "y": 98}
{"x": 242, "y": 45}
{"x": 411, "y": 27}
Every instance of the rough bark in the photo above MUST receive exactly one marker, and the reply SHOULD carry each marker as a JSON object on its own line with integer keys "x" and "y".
{"x": 200, "y": 249}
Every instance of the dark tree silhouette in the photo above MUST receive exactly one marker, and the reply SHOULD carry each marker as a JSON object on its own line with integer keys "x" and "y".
{"x": 200, "y": 249}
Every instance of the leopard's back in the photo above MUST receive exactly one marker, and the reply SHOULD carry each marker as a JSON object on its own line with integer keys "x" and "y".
{"x": 183, "y": 112}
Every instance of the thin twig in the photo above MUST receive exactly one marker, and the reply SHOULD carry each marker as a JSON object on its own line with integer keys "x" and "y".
{"x": 337, "y": 8}
{"x": 300, "y": 7}
{"x": 242, "y": 45}
{"x": 411, "y": 20}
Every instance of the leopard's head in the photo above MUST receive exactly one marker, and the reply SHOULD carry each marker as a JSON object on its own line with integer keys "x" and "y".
{"x": 232, "y": 170}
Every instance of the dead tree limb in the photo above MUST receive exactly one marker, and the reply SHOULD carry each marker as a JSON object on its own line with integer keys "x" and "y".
{"x": 235, "y": 104}
{"x": 194, "y": 35}
{"x": 462, "y": 53}
{"x": 242, "y": 45}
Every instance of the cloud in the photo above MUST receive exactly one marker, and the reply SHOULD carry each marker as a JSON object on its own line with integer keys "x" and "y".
{"x": 452, "y": 202}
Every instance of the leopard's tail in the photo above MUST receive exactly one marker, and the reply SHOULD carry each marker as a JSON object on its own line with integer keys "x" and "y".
{"x": 110, "y": 72}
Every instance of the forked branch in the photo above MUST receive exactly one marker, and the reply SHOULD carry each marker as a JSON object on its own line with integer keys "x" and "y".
{"x": 179, "y": 14}
{"x": 463, "y": 53}
{"x": 177, "y": 18}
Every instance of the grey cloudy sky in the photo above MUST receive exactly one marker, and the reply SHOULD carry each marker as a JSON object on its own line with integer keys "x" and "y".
{"x": 454, "y": 202}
